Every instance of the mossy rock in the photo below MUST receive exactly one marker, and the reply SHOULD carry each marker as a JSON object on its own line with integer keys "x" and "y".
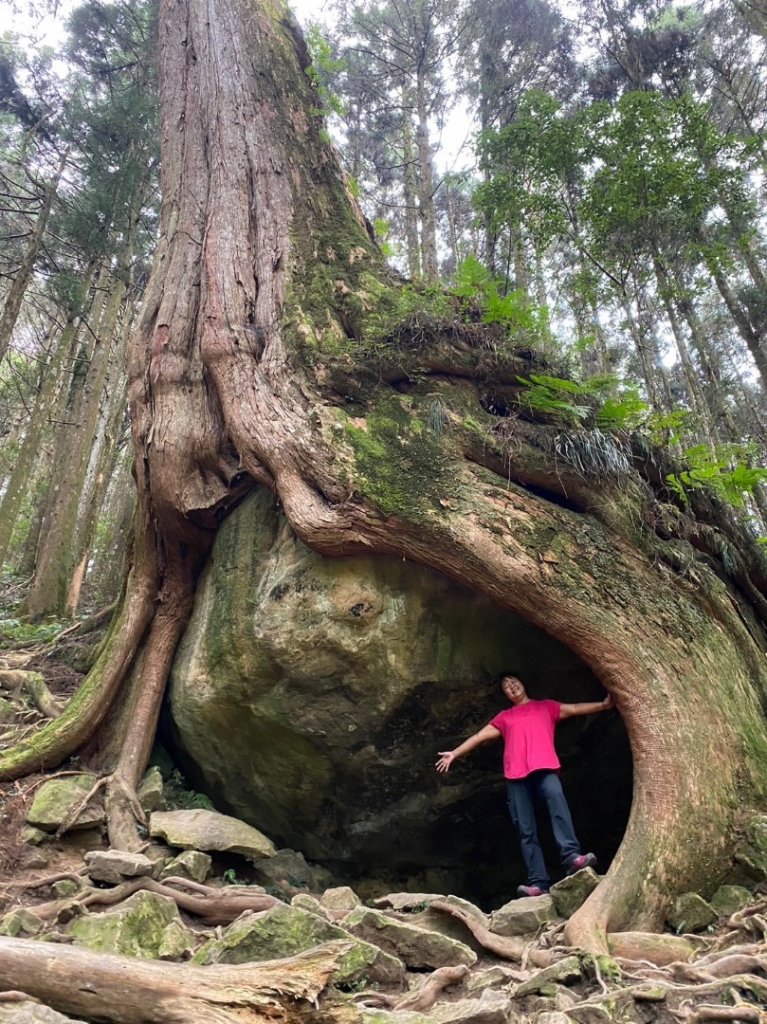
{"x": 146, "y": 925}
{"x": 284, "y": 931}
{"x": 729, "y": 899}
{"x": 56, "y": 801}
{"x": 690, "y": 913}
{"x": 417, "y": 947}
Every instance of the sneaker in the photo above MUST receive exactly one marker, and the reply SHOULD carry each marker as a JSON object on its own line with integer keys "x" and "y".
{"x": 531, "y": 890}
{"x": 583, "y": 860}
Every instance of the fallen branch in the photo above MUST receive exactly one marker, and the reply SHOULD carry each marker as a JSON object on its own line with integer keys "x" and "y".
{"x": 503, "y": 946}
{"x": 131, "y": 991}
{"x": 33, "y": 684}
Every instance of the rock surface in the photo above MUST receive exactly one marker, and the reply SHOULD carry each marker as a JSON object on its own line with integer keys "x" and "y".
{"x": 523, "y": 916}
{"x": 417, "y": 947}
{"x": 728, "y": 899}
{"x": 312, "y": 695}
{"x": 33, "y": 1013}
{"x": 192, "y": 864}
{"x": 56, "y": 801}
{"x": 284, "y": 931}
{"x": 209, "y": 830}
{"x": 145, "y": 925}
{"x": 573, "y": 891}
{"x": 690, "y": 913}
{"x": 114, "y": 866}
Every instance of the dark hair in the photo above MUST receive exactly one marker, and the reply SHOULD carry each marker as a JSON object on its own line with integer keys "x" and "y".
{"x": 508, "y": 675}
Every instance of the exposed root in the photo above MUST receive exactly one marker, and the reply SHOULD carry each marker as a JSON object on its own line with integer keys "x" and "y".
{"x": 33, "y": 684}
{"x": 746, "y": 1012}
{"x": 503, "y": 946}
{"x": 437, "y": 982}
{"x": 216, "y": 906}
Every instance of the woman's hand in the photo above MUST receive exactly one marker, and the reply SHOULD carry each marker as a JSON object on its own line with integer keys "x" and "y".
{"x": 446, "y": 758}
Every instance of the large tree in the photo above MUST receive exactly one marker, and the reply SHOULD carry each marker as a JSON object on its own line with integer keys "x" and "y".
{"x": 254, "y": 366}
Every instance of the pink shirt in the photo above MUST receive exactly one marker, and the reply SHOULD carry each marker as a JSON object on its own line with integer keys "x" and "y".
{"x": 528, "y": 737}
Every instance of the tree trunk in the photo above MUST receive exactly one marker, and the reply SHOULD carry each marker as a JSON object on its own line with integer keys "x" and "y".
{"x": 236, "y": 381}
{"x": 425, "y": 184}
{"x": 410, "y": 190}
{"x": 52, "y": 382}
{"x": 19, "y": 284}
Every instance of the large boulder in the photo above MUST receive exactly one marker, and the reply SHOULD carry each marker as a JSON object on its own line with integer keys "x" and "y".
{"x": 310, "y": 697}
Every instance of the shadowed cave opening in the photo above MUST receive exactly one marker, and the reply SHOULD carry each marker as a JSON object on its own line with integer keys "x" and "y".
{"x": 310, "y": 697}
{"x": 454, "y": 834}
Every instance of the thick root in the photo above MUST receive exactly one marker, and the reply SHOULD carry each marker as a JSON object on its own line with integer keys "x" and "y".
{"x": 131, "y": 991}
{"x": 505, "y": 947}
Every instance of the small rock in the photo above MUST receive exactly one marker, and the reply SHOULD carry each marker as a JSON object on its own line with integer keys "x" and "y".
{"x": 406, "y": 900}
{"x": 569, "y": 894}
{"x": 289, "y": 870}
{"x": 150, "y": 791}
{"x": 7, "y": 710}
{"x": 551, "y": 1017}
{"x": 159, "y": 852}
{"x": 491, "y": 1008}
{"x": 417, "y": 947}
{"x": 65, "y": 887}
{"x": 56, "y": 800}
{"x": 145, "y": 925}
{"x": 209, "y": 830}
{"x": 690, "y": 913}
{"x": 33, "y": 836}
{"x": 306, "y": 901}
{"x": 648, "y": 993}
{"x": 563, "y": 972}
{"x": 751, "y": 853}
{"x": 114, "y": 866}
{"x": 33, "y": 1013}
{"x": 590, "y": 1013}
{"x": 193, "y": 864}
{"x": 729, "y": 899}
{"x": 491, "y": 977}
{"x": 523, "y": 916}
{"x": 341, "y": 898}
{"x": 20, "y": 922}
{"x": 36, "y": 857}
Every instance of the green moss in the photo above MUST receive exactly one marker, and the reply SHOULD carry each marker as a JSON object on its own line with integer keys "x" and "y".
{"x": 401, "y": 464}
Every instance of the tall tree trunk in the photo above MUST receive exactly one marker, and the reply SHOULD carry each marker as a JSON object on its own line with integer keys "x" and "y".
{"x": 52, "y": 382}
{"x": 231, "y": 387}
{"x": 410, "y": 189}
{"x": 20, "y": 282}
{"x": 425, "y": 183}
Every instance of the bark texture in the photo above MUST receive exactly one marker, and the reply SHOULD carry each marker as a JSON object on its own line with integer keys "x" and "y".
{"x": 251, "y": 368}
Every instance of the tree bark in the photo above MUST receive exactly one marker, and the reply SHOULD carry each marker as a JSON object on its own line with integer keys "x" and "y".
{"x": 127, "y": 990}
{"x": 233, "y": 384}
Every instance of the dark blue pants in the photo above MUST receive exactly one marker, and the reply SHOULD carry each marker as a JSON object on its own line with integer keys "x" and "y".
{"x": 522, "y": 794}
